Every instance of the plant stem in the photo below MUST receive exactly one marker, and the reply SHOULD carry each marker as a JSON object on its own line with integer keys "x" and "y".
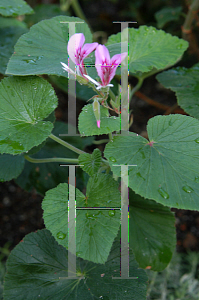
{"x": 65, "y": 4}
{"x": 110, "y": 136}
{"x": 138, "y": 85}
{"x": 54, "y": 159}
{"x": 112, "y": 95}
{"x": 194, "y": 7}
{"x": 76, "y": 7}
{"x": 100, "y": 142}
{"x": 65, "y": 144}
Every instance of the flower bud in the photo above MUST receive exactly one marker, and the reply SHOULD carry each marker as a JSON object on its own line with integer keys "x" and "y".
{"x": 96, "y": 110}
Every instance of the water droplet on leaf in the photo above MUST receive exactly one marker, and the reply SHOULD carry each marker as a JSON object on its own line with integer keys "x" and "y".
{"x": 112, "y": 159}
{"x": 163, "y": 193}
{"x": 187, "y": 189}
{"x": 61, "y": 235}
{"x": 196, "y": 179}
{"x": 197, "y": 140}
{"x": 111, "y": 213}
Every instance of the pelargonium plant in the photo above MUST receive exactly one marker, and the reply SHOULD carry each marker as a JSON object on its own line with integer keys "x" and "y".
{"x": 146, "y": 176}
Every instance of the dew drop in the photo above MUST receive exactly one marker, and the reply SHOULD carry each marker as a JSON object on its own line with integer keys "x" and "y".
{"x": 111, "y": 213}
{"x": 179, "y": 46}
{"x": 196, "y": 179}
{"x": 163, "y": 193}
{"x": 187, "y": 189}
{"x": 112, "y": 159}
{"x": 61, "y": 235}
{"x": 197, "y": 140}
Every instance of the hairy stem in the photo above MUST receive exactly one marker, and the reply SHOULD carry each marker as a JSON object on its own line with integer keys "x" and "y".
{"x": 65, "y": 144}
{"x": 100, "y": 142}
{"x": 54, "y": 159}
{"x": 190, "y": 16}
{"x": 136, "y": 88}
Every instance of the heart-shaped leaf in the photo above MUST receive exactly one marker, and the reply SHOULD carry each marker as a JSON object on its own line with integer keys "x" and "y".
{"x": 167, "y": 14}
{"x": 150, "y": 49}
{"x": 11, "y": 166}
{"x": 38, "y": 268}
{"x": 152, "y": 234}
{"x": 185, "y": 83}
{"x": 24, "y": 103}
{"x": 41, "y": 50}
{"x": 14, "y": 8}
{"x": 167, "y": 166}
{"x": 95, "y": 229}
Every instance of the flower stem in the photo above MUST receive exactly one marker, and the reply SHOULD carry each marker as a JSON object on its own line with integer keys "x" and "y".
{"x": 54, "y": 159}
{"x": 192, "y": 13}
{"x": 76, "y": 7}
{"x": 110, "y": 136}
{"x": 138, "y": 85}
{"x": 112, "y": 95}
{"x": 100, "y": 142}
{"x": 65, "y": 144}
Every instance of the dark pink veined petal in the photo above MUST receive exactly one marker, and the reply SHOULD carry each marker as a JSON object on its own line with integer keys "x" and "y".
{"x": 87, "y": 49}
{"x": 102, "y": 59}
{"x": 75, "y": 45}
{"x": 115, "y": 62}
{"x": 106, "y": 66}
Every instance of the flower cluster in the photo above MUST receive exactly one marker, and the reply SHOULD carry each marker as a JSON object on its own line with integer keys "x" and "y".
{"x": 105, "y": 66}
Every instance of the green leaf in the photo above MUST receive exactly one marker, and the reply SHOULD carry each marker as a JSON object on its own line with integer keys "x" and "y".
{"x": 152, "y": 234}
{"x": 45, "y": 176}
{"x": 102, "y": 191}
{"x": 11, "y": 166}
{"x": 14, "y": 8}
{"x": 167, "y": 14}
{"x": 184, "y": 82}
{"x": 24, "y": 103}
{"x": 38, "y": 268}
{"x": 95, "y": 229}
{"x": 150, "y": 49}
{"x": 91, "y": 162}
{"x": 10, "y": 31}
{"x": 167, "y": 166}
{"x": 43, "y": 12}
{"x": 87, "y": 122}
{"x": 41, "y": 50}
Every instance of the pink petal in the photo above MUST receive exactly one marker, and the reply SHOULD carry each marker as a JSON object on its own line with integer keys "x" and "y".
{"x": 87, "y": 49}
{"x": 115, "y": 62}
{"x": 74, "y": 46}
{"x": 102, "y": 59}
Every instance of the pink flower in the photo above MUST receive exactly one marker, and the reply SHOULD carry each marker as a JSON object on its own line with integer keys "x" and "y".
{"x": 77, "y": 51}
{"x": 106, "y": 66}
